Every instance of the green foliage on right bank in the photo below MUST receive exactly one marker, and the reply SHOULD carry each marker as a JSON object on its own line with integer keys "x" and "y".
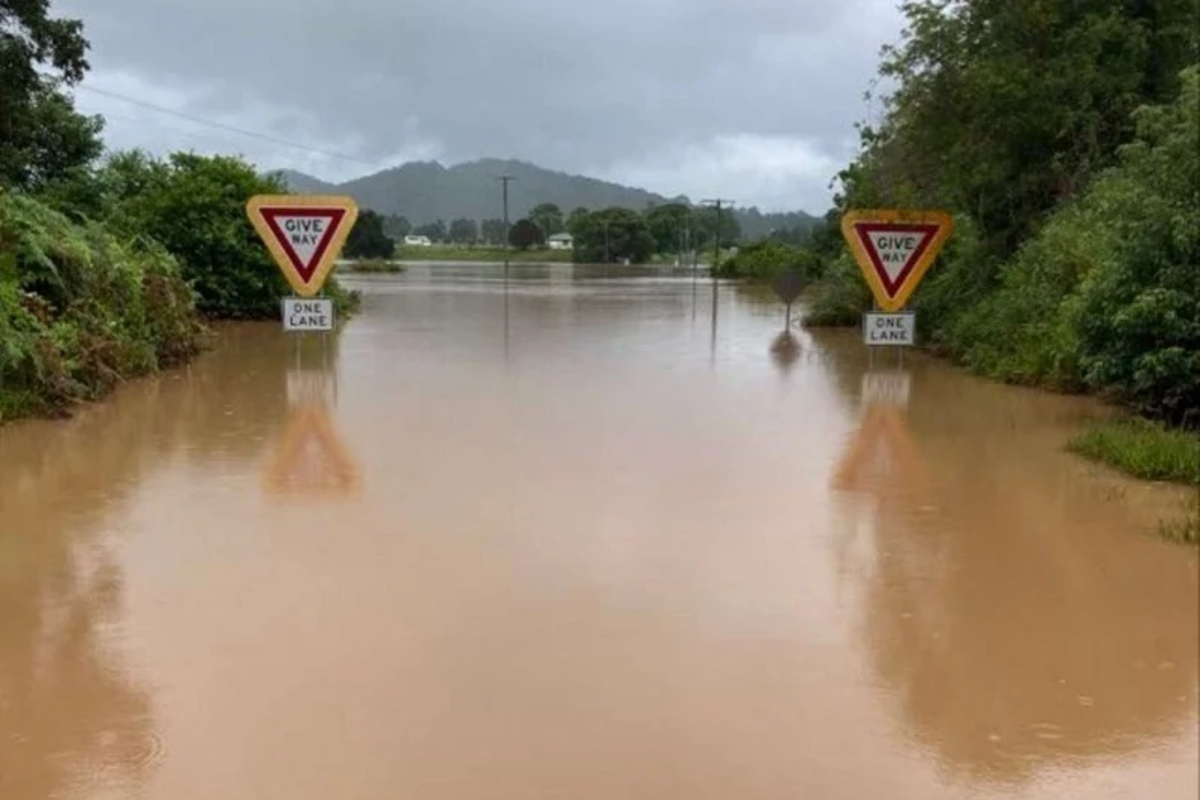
{"x": 1064, "y": 137}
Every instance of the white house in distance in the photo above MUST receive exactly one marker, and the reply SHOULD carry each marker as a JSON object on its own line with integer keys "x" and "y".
{"x": 561, "y": 241}
{"x": 417, "y": 241}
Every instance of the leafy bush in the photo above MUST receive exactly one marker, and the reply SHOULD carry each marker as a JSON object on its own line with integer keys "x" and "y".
{"x": 1105, "y": 296}
{"x": 79, "y": 311}
{"x": 765, "y": 259}
{"x": 840, "y": 297}
{"x": 195, "y": 207}
{"x": 1139, "y": 318}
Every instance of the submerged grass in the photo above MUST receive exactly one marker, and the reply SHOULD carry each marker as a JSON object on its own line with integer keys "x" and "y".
{"x": 1143, "y": 449}
{"x": 1153, "y": 452}
{"x": 373, "y": 265}
{"x": 1185, "y": 531}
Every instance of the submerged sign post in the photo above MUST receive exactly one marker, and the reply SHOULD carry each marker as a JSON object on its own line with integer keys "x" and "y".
{"x": 304, "y": 234}
{"x": 894, "y": 249}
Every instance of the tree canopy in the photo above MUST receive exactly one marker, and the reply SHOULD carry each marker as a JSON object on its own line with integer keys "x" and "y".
{"x": 42, "y": 138}
{"x": 1063, "y": 136}
{"x": 367, "y": 238}
{"x": 525, "y": 234}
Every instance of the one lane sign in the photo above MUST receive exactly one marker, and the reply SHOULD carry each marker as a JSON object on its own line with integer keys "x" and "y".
{"x": 307, "y": 314}
{"x": 890, "y": 330}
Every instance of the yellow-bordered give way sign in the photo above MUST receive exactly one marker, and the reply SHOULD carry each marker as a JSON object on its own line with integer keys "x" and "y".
{"x": 894, "y": 249}
{"x": 304, "y": 233}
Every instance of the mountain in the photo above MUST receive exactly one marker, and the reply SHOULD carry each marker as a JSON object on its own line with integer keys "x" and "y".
{"x": 306, "y": 184}
{"x": 426, "y": 191}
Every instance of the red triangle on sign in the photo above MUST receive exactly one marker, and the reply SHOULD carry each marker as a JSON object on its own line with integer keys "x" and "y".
{"x": 304, "y": 234}
{"x": 895, "y": 249}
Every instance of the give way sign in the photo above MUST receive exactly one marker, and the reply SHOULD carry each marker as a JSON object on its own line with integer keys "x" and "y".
{"x": 894, "y": 249}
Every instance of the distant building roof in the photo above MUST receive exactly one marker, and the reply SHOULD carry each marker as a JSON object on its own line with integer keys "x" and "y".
{"x": 561, "y": 237}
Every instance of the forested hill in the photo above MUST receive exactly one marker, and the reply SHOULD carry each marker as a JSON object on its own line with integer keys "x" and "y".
{"x": 425, "y": 191}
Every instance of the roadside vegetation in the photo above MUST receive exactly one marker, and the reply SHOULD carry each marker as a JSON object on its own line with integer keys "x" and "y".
{"x": 1063, "y": 137}
{"x": 109, "y": 267}
{"x": 1146, "y": 449}
{"x": 661, "y": 233}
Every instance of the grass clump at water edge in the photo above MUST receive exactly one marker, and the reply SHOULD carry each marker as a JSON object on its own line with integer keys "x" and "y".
{"x": 372, "y": 265}
{"x": 1150, "y": 451}
{"x": 1143, "y": 449}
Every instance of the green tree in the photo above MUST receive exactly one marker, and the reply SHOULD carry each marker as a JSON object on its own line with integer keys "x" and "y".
{"x": 195, "y": 206}
{"x": 492, "y": 231}
{"x": 525, "y": 234}
{"x": 1139, "y": 308}
{"x": 705, "y": 221}
{"x": 396, "y": 226}
{"x": 42, "y": 138}
{"x": 670, "y": 224}
{"x": 464, "y": 231}
{"x": 436, "y": 231}
{"x": 575, "y": 218}
{"x": 548, "y": 217}
{"x": 367, "y": 239}
{"x": 1003, "y": 110}
{"x": 765, "y": 259}
{"x": 612, "y": 234}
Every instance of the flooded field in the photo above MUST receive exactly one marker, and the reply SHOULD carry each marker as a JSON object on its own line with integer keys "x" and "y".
{"x": 583, "y": 533}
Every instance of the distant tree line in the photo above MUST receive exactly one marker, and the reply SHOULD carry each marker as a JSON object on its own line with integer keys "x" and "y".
{"x": 602, "y": 235}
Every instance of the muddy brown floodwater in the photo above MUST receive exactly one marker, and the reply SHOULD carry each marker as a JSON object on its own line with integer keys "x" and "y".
{"x": 575, "y": 535}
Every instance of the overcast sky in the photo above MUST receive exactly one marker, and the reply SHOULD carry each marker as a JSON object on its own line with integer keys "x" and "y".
{"x": 753, "y": 100}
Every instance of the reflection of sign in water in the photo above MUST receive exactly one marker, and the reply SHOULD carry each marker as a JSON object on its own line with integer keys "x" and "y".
{"x": 882, "y": 455}
{"x": 886, "y": 388}
{"x": 785, "y": 350}
{"x": 311, "y": 459}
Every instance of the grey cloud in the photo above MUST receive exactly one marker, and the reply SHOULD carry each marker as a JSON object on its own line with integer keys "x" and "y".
{"x": 565, "y": 84}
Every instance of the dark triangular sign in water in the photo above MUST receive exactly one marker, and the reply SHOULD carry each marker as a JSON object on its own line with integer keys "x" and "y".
{"x": 788, "y": 285}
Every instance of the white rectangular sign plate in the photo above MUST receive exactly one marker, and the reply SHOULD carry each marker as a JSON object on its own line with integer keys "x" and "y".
{"x": 307, "y": 314}
{"x": 897, "y": 329}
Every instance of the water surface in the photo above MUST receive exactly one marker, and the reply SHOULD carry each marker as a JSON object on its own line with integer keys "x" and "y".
{"x": 584, "y": 533}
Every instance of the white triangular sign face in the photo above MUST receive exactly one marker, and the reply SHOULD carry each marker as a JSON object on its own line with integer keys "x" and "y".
{"x": 895, "y": 253}
{"x": 304, "y": 236}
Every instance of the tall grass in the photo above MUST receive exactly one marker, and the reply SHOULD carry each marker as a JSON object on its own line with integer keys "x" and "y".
{"x": 1144, "y": 449}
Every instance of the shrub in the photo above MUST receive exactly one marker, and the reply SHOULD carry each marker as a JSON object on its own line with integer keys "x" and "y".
{"x": 80, "y": 311}
{"x": 195, "y": 206}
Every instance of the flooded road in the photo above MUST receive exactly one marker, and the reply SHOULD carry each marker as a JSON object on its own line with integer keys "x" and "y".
{"x": 578, "y": 535}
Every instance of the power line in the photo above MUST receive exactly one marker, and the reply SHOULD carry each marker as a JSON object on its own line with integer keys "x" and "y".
{"x": 209, "y": 137}
{"x": 222, "y": 126}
